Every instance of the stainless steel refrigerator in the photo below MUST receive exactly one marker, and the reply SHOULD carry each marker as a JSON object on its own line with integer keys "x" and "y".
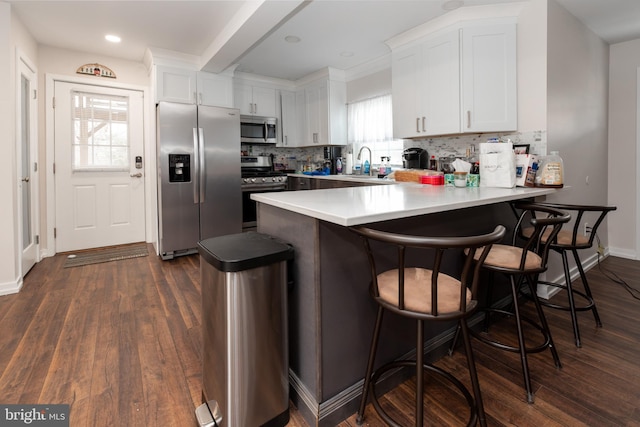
{"x": 199, "y": 193}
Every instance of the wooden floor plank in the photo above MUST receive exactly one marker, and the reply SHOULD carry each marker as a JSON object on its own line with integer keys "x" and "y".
{"x": 121, "y": 343}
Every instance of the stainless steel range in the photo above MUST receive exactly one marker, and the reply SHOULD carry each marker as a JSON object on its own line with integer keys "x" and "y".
{"x": 258, "y": 176}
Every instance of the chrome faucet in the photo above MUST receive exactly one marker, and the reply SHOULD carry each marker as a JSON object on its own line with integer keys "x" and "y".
{"x": 370, "y": 159}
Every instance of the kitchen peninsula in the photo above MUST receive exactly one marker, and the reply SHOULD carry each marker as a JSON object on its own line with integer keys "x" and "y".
{"x": 331, "y": 313}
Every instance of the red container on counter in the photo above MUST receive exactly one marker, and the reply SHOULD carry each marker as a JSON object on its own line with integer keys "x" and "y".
{"x": 432, "y": 179}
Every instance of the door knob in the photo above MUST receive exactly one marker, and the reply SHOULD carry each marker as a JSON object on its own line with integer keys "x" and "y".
{"x": 136, "y": 175}
{"x": 25, "y": 179}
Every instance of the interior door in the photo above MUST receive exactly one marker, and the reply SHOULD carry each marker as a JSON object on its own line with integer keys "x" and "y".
{"x": 28, "y": 166}
{"x": 99, "y": 185}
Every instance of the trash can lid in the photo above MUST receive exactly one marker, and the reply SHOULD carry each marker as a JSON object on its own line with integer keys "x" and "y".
{"x": 243, "y": 251}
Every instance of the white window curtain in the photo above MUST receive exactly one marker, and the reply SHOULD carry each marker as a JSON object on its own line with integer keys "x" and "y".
{"x": 370, "y": 120}
{"x": 370, "y": 123}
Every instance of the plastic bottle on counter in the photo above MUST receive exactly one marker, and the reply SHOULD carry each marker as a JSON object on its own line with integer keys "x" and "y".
{"x": 550, "y": 172}
{"x": 367, "y": 167}
{"x": 433, "y": 163}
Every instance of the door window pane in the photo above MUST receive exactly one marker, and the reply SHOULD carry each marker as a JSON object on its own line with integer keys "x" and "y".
{"x": 100, "y": 131}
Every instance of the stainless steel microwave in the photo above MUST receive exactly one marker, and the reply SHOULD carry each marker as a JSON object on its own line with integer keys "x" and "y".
{"x": 258, "y": 130}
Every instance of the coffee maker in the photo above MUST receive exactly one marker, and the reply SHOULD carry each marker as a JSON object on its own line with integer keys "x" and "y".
{"x": 415, "y": 158}
{"x": 333, "y": 159}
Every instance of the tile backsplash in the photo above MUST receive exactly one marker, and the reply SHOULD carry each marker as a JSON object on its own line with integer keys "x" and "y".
{"x": 456, "y": 145}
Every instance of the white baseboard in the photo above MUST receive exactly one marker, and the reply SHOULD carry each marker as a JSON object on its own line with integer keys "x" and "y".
{"x": 624, "y": 253}
{"x": 11, "y": 287}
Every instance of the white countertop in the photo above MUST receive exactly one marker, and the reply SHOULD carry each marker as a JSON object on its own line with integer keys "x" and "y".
{"x": 367, "y": 204}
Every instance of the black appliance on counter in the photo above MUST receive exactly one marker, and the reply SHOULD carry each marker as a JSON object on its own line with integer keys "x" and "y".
{"x": 258, "y": 176}
{"x": 333, "y": 154}
{"x": 415, "y": 158}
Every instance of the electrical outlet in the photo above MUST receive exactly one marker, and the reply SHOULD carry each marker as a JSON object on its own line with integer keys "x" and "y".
{"x": 600, "y": 249}
{"x": 587, "y": 229}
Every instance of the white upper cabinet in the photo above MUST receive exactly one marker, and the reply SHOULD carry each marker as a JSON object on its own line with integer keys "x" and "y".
{"x": 290, "y": 120}
{"x": 191, "y": 87}
{"x": 458, "y": 80}
{"x": 325, "y": 118}
{"x": 255, "y": 100}
{"x": 176, "y": 85}
{"x": 489, "y": 81}
{"x": 215, "y": 90}
{"x": 426, "y": 88}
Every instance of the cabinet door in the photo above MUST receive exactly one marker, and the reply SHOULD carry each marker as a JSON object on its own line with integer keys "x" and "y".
{"x": 288, "y": 121}
{"x": 175, "y": 85}
{"x": 215, "y": 90}
{"x": 264, "y": 101}
{"x": 405, "y": 89}
{"x": 440, "y": 80}
{"x": 314, "y": 98}
{"x": 489, "y": 78}
{"x": 304, "y": 135}
{"x": 243, "y": 98}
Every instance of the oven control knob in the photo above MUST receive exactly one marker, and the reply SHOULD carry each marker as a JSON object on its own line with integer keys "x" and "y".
{"x": 253, "y": 180}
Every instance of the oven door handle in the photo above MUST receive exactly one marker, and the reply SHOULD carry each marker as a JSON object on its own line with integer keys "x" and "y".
{"x": 263, "y": 187}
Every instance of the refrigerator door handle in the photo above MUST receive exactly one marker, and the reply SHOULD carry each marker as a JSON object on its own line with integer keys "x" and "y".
{"x": 202, "y": 173}
{"x": 196, "y": 164}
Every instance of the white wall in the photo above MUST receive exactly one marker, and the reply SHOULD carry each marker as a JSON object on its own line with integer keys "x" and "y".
{"x": 577, "y": 102}
{"x": 624, "y": 62}
{"x": 9, "y": 270}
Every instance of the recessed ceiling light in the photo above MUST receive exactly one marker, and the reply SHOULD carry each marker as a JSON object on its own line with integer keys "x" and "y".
{"x": 452, "y": 4}
{"x": 112, "y": 38}
{"x": 292, "y": 39}
{"x": 346, "y": 54}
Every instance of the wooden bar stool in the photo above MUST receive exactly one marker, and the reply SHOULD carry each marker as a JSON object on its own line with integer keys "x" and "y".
{"x": 572, "y": 241}
{"x": 425, "y": 293}
{"x": 523, "y": 265}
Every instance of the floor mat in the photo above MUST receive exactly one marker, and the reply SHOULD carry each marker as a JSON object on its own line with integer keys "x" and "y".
{"x": 106, "y": 255}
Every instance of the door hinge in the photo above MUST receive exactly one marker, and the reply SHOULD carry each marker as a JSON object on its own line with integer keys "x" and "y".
{"x": 55, "y": 232}
{"x": 35, "y": 166}
{"x": 53, "y": 101}
{"x": 54, "y": 168}
{"x": 35, "y": 94}
{"x": 37, "y": 239}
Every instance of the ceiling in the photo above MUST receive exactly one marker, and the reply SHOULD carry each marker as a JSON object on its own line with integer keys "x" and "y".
{"x": 217, "y": 34}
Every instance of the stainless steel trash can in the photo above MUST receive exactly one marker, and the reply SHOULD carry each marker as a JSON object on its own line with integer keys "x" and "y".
{"x": 244, "y": 330}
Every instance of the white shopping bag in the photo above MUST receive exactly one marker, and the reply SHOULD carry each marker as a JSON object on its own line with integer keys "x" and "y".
{"x": 497, "y": 165}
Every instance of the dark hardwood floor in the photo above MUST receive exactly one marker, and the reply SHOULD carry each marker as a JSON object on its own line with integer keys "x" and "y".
{"x": 120, "y": 343}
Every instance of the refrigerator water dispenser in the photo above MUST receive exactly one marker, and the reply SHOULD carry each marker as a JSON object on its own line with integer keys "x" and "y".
{"x": 179, "y": 168}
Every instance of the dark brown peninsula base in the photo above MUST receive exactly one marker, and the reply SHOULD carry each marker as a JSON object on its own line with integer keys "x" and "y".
{"x": 331, "y": 314}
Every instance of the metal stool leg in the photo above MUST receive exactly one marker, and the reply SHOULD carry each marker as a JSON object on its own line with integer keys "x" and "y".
{"x": 419, "y": 374}
{"x": 572, "y": 303}
{"x": 372, "y": 356}
{"x": 533, "y": 284}
{"x": 521, "y": 341}
{"x": 472, "y": 372}
{"x": 587, "y": 290}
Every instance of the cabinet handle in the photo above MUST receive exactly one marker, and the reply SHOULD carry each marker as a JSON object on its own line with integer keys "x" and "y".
{"x": 195, "y": 97}
{"x": 423, "y": 128}
{"x": 418, "y": 124}
{"x": 200, "y": 98}
{"x": 468, "y": 118}
{"x": 285, "y": 140}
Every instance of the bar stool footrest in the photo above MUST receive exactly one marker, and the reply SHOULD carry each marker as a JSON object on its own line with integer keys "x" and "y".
{"x": 473, "y": 415}
{"x": 497, "y": 344}
{"x": 589, "y": 301}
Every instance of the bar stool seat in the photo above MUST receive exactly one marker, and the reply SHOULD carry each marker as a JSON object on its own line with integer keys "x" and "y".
{"x": 424, "y": 293}
{"x": 572, "y": 241}
{"x": 522, "y": 265}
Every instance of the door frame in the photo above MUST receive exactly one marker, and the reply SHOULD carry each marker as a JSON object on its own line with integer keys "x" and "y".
{"x": 149, "y": 141}
{"x": 22, "y": 60}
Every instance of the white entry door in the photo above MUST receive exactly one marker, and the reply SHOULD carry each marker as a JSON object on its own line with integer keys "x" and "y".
{"x": 99, "y": 170}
